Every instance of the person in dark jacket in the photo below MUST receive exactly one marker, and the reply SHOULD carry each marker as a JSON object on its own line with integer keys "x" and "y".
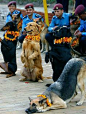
{"x": 60, "y": 52}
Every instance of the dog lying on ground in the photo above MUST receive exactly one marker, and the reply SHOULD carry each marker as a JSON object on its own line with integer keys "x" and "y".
{"x": 8, "y": 49}
{"x": 31, "y": 55}
{"x": 61, "y": 92}
{"x": 44, "y": 27}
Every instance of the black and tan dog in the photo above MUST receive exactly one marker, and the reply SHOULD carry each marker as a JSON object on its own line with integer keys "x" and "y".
{"x": 8, "y": 49}
{"x": 63, "y": 90}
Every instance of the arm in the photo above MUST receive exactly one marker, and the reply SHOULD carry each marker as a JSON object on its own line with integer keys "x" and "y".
{"x": 52, "y": 25}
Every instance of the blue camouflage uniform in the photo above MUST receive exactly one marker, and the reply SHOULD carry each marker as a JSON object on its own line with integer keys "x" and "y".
{"x": 9, "y": 16}
{"x": 64, "y": 21}
{"x": 26, "y": 20}
{"x": 82, "y": 42}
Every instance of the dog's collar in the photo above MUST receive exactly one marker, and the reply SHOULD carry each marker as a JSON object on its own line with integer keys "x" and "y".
{"x": 47, "y": 101}
{"x": 14, "y": 33}
{"x": 35, "y": 38}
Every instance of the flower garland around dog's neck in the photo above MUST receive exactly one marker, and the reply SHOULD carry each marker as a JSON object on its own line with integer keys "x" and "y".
{"x": 14, "y": 33}
{"x": 33, "y": 37}
{"x": 47, "y": 101}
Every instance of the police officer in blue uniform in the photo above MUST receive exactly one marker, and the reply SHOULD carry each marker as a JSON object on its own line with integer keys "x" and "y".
{"x": 59, "y": 53}
{"x": 60, "y": 19}
{"x": 12, "y": 9}
{"x": 81, "y": 31}
{"x": 28, "y": 18}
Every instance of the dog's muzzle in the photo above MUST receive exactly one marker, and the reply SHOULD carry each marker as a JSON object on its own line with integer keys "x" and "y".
{"x": 29, "y": 111}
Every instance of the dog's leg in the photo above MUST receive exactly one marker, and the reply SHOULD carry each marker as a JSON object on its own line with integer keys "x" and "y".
{"x": 81, "y": 85}
{"x": 47, "y": 46}
{"x": 43, "y": 46}
{"x": 37, "y": 75}
{"x": 58, "y": 104}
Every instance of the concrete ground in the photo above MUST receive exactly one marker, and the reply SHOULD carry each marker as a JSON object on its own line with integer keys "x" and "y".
{"x": 14, "y": 94}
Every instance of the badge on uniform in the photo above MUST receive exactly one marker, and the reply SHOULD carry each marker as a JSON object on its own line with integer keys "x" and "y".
{"x": 57, "y": 8}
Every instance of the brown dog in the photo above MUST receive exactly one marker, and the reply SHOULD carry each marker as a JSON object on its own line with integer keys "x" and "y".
{"x": 44, "y": 27}
{"x": 61, "y": 92}
{"x": 31, "y": 56}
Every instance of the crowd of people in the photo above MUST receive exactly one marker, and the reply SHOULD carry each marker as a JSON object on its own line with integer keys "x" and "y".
{"x": 60, "y": 19}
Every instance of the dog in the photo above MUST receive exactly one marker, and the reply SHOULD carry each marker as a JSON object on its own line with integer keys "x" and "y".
{"x": 44, "y": 27}
{"x": 8, "y": 49}
{"x": 18, "y": 21}
{"x": 61, "y": 92}
{"x": 31, "y": 55}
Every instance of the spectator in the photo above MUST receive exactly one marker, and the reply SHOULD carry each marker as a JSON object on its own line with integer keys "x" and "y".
{"x": 78, "y": 2}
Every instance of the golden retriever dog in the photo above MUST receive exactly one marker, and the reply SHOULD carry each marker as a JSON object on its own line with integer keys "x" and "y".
{"x": 44, "y": 27}
{"x": 61, "y": 92}
{"x": 31, "y": 55}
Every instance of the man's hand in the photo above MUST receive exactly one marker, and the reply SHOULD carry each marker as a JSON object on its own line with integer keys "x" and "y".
{"x": 79, "y": 34}
{"x": 76, "y": 32}
{"x": 55, "y": 27}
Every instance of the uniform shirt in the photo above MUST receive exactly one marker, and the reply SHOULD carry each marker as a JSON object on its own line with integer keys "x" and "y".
{"x": 26, "y": 20}
{"x": 82, "y": 27}
{"x": 9, "y": 16}
{"x": 64, "y": 21}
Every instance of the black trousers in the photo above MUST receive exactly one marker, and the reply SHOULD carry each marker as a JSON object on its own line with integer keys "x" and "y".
{"x": 78, "y": 2}
{"x": 65, "y": 4}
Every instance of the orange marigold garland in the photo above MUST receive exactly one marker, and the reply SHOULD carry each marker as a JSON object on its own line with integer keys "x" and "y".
{"x": 75, "y": 23}
{"x": 35, "y": 38}
{"x": 14, "y": 33}
{"x": 47, "y": 101}
{"x": 63, "y": 40}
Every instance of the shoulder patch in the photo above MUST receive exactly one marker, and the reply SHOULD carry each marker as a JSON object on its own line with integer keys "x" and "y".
{"x": 37, "y": 15}
{"x": 25, "y": 16}
{"x": 54, "y": 17}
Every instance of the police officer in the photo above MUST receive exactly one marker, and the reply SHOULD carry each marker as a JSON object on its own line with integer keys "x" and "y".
{"x": 60, "y": 53}
{"x": 28, "y": 18}
{"x": 60, "y": 19}
{"x": 12, "y": 9}
{"x": 65, "y": 4}
{"x": 81, "y": 31}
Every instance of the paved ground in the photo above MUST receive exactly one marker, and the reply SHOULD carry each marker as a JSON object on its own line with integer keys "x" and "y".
{"x": 14, "y": 94}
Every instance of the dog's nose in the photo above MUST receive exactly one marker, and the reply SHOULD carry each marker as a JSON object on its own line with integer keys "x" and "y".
{"x": 27, "y": 111}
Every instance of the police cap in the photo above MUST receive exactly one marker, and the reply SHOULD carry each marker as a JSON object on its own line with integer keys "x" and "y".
{"x": 58, "y": 6}
{"x": 12, "y": 3}
{"x": 79, "y": 9}
{"x": 29, "y": 6}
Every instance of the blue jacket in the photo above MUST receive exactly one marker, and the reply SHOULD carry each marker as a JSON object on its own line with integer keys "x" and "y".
{"x": 9, "y": 17}
{"x": 82, "y": 27}
{"x": 64, "y": 21}
{"x": 27, "y": 20}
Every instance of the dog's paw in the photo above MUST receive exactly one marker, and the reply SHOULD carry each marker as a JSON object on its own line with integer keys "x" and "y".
{"x": 22, "y": 79}
{"x": 40, "y": 81}
{"x": 79, "y": 103}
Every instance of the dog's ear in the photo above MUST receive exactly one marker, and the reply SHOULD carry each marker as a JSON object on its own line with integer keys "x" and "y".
{"x": 39, "y": 28}
{"x": 30, "y": 99}
{"x": 43, "y": 101}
